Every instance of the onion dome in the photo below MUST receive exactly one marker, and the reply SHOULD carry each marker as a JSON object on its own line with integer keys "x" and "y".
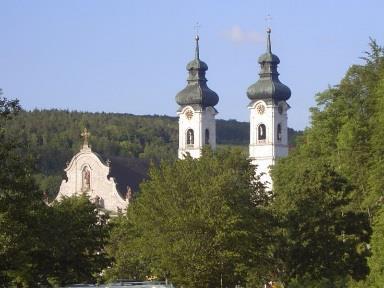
{"x": 197, "y": 91}
{"x": 269, "y": 87}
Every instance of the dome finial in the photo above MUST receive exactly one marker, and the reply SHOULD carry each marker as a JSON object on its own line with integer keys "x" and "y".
{"x": 268, "y": 87}
{"x": 197, "y": 91}
{"x": 197, "y": 56}
{"x": 197, "y": 26}
{"x": 269, "y": 50}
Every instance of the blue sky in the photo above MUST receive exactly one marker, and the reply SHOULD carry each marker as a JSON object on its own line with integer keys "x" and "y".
{"x": 130, "y": 56}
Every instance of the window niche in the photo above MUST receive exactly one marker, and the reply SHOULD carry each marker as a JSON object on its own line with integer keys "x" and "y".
{"x": 279, "y": 132}
{"x": 261, "y": 132}
{"x": 206, "y": 137}
{"x": 85, "y": 179}
{"x": 190, "y": 137}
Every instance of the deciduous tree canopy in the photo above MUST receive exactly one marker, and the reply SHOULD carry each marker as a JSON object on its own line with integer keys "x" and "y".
{"x": 40, "y": 244}
{"x": 329, "y": 187}
{"x": 199, "y": 222}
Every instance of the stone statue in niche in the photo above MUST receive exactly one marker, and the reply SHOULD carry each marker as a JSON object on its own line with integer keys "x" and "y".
{"x": 206, "y": 137}
{"x": 86, "y": 179}
{"x": 279, "y": 132}
{"x": 190, "y": 138}
{"x": 99, "y": 201}
{"x": 129, "y": 195}
{"x": 262, "y": 132}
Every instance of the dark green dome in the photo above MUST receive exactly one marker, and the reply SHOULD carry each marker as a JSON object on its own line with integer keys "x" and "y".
{"x": 197, "y": 94}
{"x": 269, "y": 87}
{"x": 197, "y": 91}
{"x": 197, "y": 64}
{"x": 269, "y": 57}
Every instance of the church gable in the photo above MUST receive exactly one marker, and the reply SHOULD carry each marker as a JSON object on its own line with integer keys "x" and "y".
{"x": 86, "y": 170}
{"x": 87, "y": 173}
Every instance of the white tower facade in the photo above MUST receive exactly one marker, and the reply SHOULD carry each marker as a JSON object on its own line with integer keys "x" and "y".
{"x": 197, "y": 124}
{"x": 268, "y": 116}
{"x": 197, "y": 127}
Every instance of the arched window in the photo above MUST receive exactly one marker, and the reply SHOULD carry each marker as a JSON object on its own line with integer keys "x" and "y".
{"x": 261, "y": 132}
{"x": 206, "y": 136}
{"x": 279, "y": 132}
{"x": 190, "y": 137}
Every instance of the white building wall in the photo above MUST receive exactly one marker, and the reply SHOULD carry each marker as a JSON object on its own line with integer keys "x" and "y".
{"x": 264, "y": 153}
{"x": 198, "y": 121}
{"x": 101, "y": 188}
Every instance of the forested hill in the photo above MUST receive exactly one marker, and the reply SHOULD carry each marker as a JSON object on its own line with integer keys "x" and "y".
{"x": 53, "y": 137}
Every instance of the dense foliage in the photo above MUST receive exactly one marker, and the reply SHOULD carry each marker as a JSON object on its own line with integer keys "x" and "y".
{"x": 73, "y": 242}
{"x": 329, "y": 188}
{"x": 198, "y": 222}
{"x": 321, "y": 237}
{"x": 19, "y": 200}
{"x": 376, "y": 277}
{"x": 40, "y": 244}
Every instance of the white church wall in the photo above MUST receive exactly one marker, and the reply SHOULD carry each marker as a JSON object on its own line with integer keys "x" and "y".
{"x": 264, "y": 152}
{"x": 99, "y": 188}
{"x": 198, "y": 121}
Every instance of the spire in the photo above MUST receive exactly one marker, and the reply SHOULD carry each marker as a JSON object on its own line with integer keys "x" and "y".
{"x": 269, "y": 85}
{"x": 269, "y": 50}
{"x": 197, "y": 91}
{"x": 197, "y": 55}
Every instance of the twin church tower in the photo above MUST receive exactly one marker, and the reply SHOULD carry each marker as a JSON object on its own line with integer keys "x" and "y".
{"x": 268, "y": 112}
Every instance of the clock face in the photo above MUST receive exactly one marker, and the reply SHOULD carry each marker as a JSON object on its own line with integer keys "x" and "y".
{"x": 260, "y": 109}
{"x": 189, "y": 114}
{"x": 280, "y": 109}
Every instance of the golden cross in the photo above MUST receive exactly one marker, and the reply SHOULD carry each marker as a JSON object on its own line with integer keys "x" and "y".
{"x": 85, "y": 134}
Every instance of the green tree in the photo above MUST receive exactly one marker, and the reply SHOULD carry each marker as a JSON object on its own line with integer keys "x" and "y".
{"x": 341, "y": 151}
{"x": 40, "y": 244}
{"x": 198, "y": 222}
{"x": 72, "y": 243}
{"x": 376, "y": 277}
{"x": 322, "y": 239}
{"x": 345, "y": 127}
{"x": 376, "y": 161}
{"x": 125, "y": 246}
{"x": 20, "y": 204}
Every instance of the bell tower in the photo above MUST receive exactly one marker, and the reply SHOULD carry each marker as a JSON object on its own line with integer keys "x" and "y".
{"x": 268, "y": 115}
{"x": 197, "y": 126}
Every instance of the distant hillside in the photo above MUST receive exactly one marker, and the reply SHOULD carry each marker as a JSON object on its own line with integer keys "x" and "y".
{"x": 53, "y": 136}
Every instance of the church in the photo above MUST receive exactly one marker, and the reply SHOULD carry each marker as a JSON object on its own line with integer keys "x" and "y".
{"x": 111, "y": 186}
